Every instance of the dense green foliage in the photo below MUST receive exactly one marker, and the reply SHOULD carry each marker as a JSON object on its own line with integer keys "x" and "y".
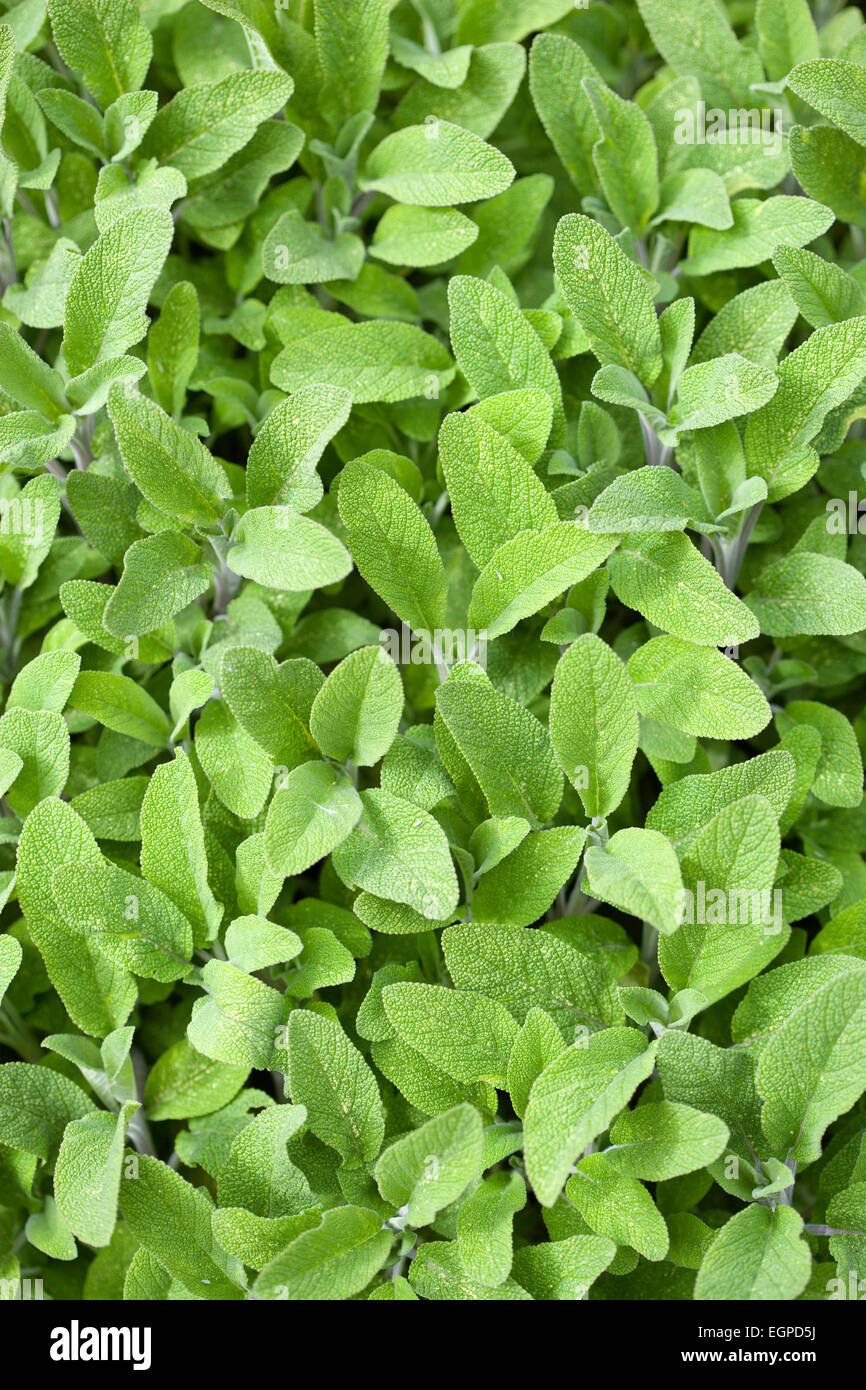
{"x": 432, "y": 641}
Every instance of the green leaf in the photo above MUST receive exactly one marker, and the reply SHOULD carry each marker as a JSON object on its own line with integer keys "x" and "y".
{"x": 352, "y": 47}
{"x": 161, "y": 575}
{"x": 732, "y": 926}
{"x": 608, "y": 296}
{"x": 337, "y": 1259}
{"x": 104, "y": 309}
{"x": 399, "y": 852}
{"x": 256, "y": 689}
{"x": 702, "y": 44}
{"x": 437, "y": 165}
{"x": 238, "y": 1020}
{"x": 674, "y": 587}
{"x": 760, "y": 227}
{"x": 87, "y": 1174}
{"x": 638, "y": 872}
{"x": 120, "y": 703}
{"x": 373, "y": 361}
{"x": 174, "y": 1221}
{"x": 172, "y": 845}
{"x": 238, "y": 768}
{"x": 694, "y": 195}
{"x": 506, "y": 747}
{"x": 495, "y": 345}
{"x": 618, "y": 1206}
{"x": 575, "y": 1097}
{"x": 786, "y": 32}
{"x": 47, "y": 1231}
{"x": 812, "y": 1068}
{"x": 253, "y": 943}
{"x": 823, "y": 292}
{"x": 45, "y": 682}
{"x": 258, "y": 1174}
{"x": 846, "y": 1212}
{"x": 529, "y": 571}
{"x": 281, "y": 467}
{"x": 437, "y": 1273}
{"x": 40, "y": 739}
{"x": 484, "y": 1235}
{"x": 183, "y": 1083}
{"x": 828, "y": 165}
{"x": 529, "y": 969}
{"x": 758, "y": 1255}
{"x": 522, "y": 887}
{"x": 409, "y": 236}
{"x": 429, "y": 1168}
{"x": 312, "y": 812}
{"x": 356, "y": 713}
{"x": 804, "y": 593}
{"x": 36, "y": 1105}
{"x": 280, "y": 549}
{"x": 204, "y": 125}
{"x": 813, "y": 379}
{"x": 838, "y": 777}
{"x": 465, "y": 1034}
{"x": 27, "y": 379}
{"x": 836, "y": 89}
{"x": 296, "y": 252}
{"x": 662, "y": 1140}
{"x": 690, "y": 803}
{"x": 625, "y": 156}
{"x": 133, "y": 923}
{"x": 538, "y": 1043}
{"x": 170, "y": 467}
{"x": 557, "y": 67}
{"x": 754, "y": 323}
{"x": 393, "y": 546}
{"x": 172, "y": 347}
{"x": 106, "y": 41}
{"x": 10, "y": 960}
{"x": 709, "y": 393}
{"x": 98, "y": 994}
{"x": 594, "y": 723}
{"x": 494, "y": 492}
{"x": 562, "y": 1270}
{"x": 697, "y": 690}
{"x": 647, "y": 499}
{"x": 327, "y": 1074}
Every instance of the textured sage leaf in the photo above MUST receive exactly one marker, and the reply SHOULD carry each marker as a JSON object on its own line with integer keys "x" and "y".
{"x": 429, "y": 1168}
{"x": 174, "y": 1221}
{"x": 675, "y": 588}
{"x": 608, "y": 297}
{"x": 575, "y": 1097}
{"x": 437, "y": 166}
{"x": 638, "y": 872}
{"x": 310, "y": 815}
{"x": 758, "y": 1255}
{"x": 329, "y": 1077}
{"x": 493, "y": 490}
{"x": 594, "y": 723}
{"x": 697, "y": 690}
{"x": 467, "y": 1035}
{"x": 335, "y": 1259}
